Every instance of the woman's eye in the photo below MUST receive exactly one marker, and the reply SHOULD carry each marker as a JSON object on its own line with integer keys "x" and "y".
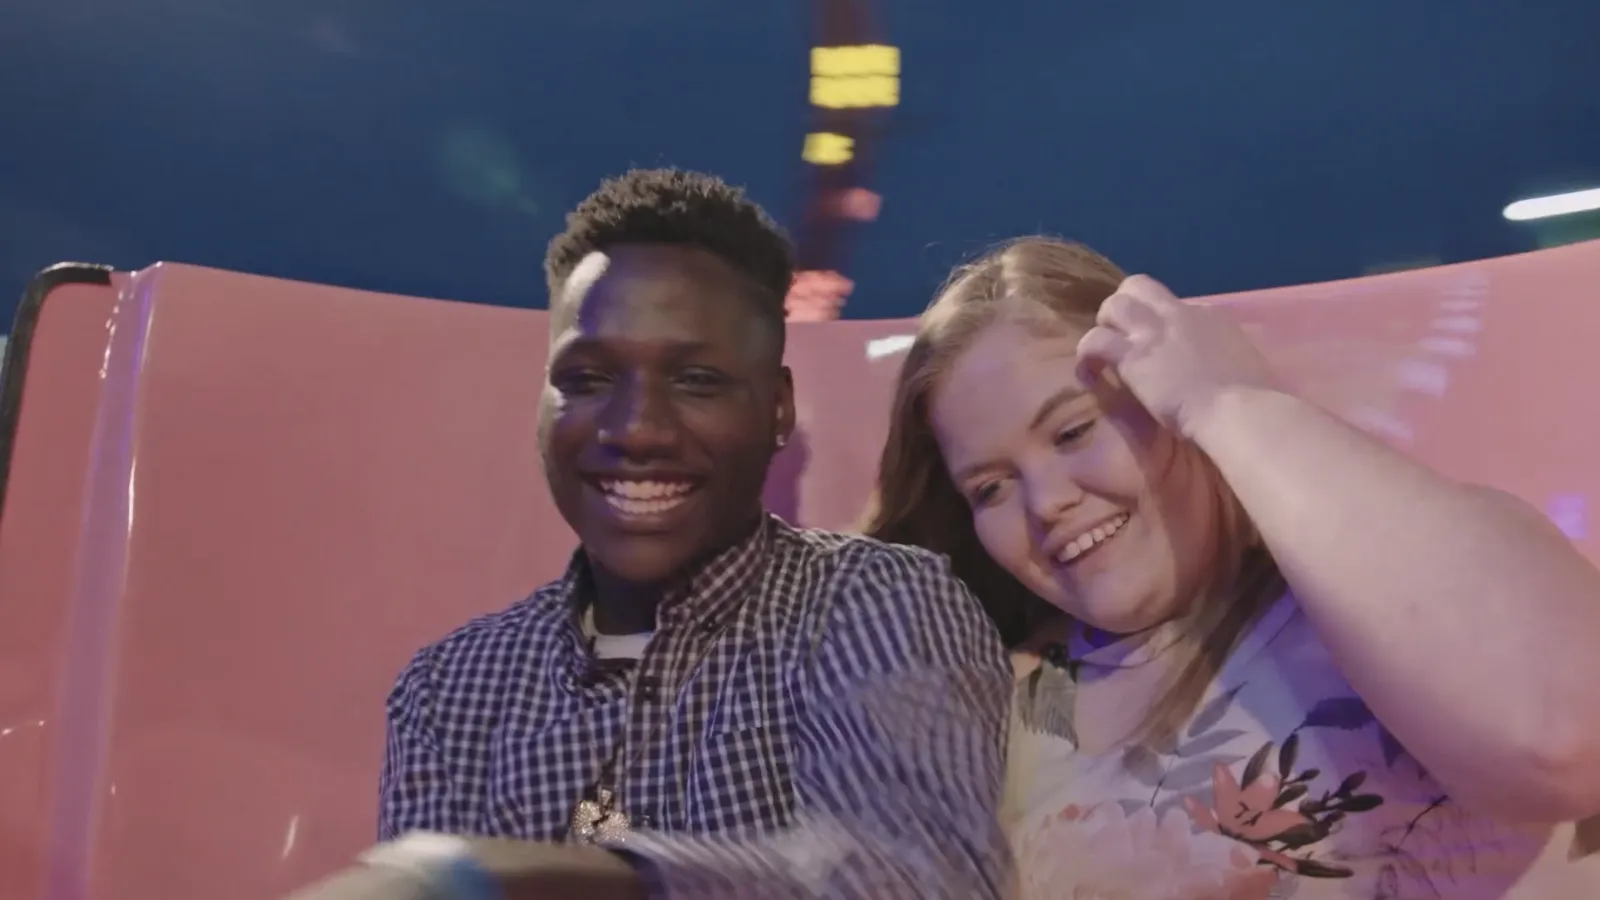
{"x": 984, "y": 494}
{"x": 1074, "y": 434}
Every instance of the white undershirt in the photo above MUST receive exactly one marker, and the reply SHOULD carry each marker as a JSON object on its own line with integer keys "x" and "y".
{"x": 614, "y": 646}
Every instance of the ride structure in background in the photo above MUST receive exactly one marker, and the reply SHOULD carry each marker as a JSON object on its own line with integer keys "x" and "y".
{"x": 854, "y": 81}
{"x": 197, "y": 525}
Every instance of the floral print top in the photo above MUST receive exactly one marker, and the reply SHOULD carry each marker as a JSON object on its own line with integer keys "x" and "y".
{"x": 1282, "y": 784}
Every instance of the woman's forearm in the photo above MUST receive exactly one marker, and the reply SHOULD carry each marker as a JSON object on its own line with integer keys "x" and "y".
{"x": 1467, "y": 622}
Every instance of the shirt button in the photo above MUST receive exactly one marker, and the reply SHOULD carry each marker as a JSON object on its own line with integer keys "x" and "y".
{"x": 649, "y": 688}
{"x": 1057, "y": 655}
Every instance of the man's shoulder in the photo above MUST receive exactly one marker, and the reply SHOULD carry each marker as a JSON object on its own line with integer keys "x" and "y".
{"x": 858, "y": 565}
{"x": 495, "y": 640}
{"x": 850, "y": 553}
{"x": 892, "y": 601}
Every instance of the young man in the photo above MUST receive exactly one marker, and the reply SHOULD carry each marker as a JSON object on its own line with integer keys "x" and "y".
{"x": 709, "y": 703}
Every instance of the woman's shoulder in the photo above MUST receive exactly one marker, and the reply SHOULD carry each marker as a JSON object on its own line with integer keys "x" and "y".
{"x": 1282, "y": 775}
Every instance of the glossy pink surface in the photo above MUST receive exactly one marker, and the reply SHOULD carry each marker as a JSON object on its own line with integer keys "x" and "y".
{"x": 235, "y": 512}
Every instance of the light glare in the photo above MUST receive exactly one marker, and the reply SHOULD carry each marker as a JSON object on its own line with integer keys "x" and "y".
{"x": 889, "y": 346}
{"x": 1554, "y": 205}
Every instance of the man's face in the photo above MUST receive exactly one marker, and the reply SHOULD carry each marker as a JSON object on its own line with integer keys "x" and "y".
{"x": 662, "y": 408}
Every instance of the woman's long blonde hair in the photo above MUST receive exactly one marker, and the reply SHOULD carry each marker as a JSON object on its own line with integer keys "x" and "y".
{"x": 1045, "y": 282}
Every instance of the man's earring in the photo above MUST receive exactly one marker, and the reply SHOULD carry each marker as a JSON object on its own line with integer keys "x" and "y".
{"x": 782, "y": 440}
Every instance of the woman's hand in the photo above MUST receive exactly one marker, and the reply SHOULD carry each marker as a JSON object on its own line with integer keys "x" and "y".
{"x": 1177, "y": 358}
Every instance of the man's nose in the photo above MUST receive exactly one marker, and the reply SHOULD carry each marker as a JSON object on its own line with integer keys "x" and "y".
{"x": 640, "y": 420}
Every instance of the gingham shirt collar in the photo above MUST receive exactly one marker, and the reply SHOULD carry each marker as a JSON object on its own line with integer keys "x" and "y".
{"x": 710, "y": 594}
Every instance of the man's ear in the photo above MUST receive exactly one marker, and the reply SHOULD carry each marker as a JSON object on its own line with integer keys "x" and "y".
{"x": 785, "y": 406}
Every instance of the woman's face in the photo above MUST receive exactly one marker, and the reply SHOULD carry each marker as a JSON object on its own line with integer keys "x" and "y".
{"x": 1076, "y": 491}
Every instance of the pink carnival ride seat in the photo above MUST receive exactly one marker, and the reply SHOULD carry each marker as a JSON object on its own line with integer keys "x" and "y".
{"x": 233, "y": 506}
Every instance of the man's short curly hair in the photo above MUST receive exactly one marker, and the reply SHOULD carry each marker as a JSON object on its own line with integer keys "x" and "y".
{"x": 673, "y": 206}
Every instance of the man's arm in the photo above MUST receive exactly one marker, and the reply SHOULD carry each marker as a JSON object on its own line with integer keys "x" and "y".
{"x": 415, "y": 789}
{"x": 900, "y": 764}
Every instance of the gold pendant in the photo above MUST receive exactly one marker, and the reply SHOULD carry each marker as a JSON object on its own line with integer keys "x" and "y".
{"x": 597, "y": 820}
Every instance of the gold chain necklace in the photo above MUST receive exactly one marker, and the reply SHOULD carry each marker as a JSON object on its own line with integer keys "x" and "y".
{"x": 596, "y": 817}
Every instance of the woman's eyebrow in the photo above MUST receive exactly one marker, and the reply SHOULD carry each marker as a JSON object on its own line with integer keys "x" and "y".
{"x": 1064, "y": 396}
{"x": 1054, "y": 402}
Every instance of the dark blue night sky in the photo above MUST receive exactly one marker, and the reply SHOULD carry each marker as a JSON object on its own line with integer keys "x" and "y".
{"x": 401, "y": 147}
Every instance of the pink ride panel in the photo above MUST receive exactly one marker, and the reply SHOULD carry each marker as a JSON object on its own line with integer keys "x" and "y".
{"x": 236, "y": 505}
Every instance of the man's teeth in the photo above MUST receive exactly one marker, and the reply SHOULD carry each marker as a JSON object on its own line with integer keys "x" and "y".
{"x": 644, "y": 498}
{"x": 1087, "y": 541}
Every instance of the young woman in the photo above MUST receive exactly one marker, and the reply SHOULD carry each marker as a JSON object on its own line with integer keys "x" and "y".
{"x": 1258, "y": 654}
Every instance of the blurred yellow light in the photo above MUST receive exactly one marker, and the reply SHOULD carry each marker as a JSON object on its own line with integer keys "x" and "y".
{"x": 855, "y": 93}
{"x": 825, "y": 149}
{"x": 862, "y": 59}
{"x": 855, "y": 77}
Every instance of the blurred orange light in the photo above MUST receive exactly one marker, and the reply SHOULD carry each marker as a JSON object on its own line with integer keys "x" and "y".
{"x": 860, "y": 204}
{"x": 816, "y": 296}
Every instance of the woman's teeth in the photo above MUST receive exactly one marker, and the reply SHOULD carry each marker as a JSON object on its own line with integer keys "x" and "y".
{"x": 645, "y": 498}
{"x": 1091, "y": 539}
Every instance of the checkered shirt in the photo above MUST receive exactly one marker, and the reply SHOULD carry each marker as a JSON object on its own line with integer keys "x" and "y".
{"x": 818, "y": 715}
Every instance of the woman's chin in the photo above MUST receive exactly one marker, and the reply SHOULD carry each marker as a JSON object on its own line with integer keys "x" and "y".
{"x": 1105, "y": 605}
{"x": 1118, "y": 615}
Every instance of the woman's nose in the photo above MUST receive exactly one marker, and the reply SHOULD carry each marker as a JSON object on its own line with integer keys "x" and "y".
{"x": 1050, "y": 496}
